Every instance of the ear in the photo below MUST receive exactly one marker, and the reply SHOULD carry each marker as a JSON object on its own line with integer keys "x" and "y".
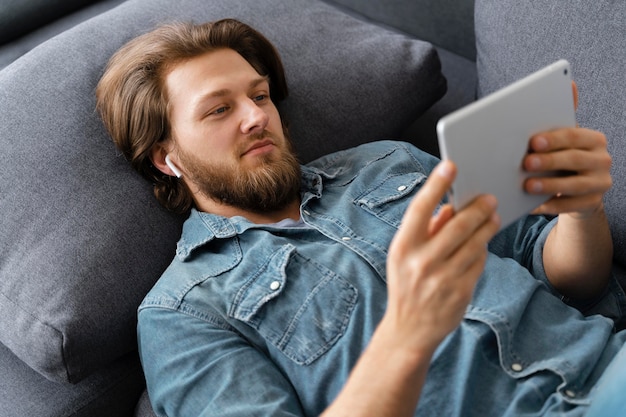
{"x": 157, "y": 156}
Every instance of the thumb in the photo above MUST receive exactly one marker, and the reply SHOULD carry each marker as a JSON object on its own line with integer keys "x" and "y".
{"x": 417, "y": 218}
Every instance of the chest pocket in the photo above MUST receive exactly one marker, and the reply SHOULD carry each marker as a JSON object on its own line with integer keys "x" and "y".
{"x": 391, "y": 189}
{"x": 297, "y": 305}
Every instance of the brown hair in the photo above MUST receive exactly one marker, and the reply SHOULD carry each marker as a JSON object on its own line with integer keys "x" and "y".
{"x": 132, "y": 99}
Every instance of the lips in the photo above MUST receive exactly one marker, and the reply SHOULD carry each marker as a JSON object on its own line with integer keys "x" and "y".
{"x": 259, "y": 146}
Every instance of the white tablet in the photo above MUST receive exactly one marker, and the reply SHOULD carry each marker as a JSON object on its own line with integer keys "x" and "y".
{"x": 488, "y": 139}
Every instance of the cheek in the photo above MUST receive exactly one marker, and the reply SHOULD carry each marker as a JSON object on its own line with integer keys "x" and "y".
{"x": 206, "y": 141}
{"x": 275, "y": 120}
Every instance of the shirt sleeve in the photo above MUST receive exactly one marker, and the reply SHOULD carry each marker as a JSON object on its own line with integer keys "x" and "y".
{"x": 523, "y": 241}
{"x": 198, "y": 366}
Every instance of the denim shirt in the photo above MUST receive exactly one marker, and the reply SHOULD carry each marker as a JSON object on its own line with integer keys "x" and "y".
{"x": 268, "y": 320}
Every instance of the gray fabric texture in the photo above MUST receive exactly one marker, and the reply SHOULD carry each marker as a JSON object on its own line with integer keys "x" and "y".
{"x": 461, "y": 77}
{"x": 82, "y": 238}
{"x": 448, "y": 24}
{"x": 516, "y": 38}
{"x": 112, "y": 392}
{"x": 18, "y": 17}
{"x": 10, "y": 51}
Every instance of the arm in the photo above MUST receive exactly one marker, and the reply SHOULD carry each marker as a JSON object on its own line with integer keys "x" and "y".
{"x": 432, "y": 268}
{"x": 578, "y": 251}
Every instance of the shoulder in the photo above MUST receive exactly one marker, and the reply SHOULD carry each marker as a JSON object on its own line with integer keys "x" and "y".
{"x": 185, "y": 273}
{"x": 371, "y": 150}
{"x": 396, "y": 155}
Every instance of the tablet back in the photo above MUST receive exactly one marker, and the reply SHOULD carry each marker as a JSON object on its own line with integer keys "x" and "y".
{"x": 488, "y": 139}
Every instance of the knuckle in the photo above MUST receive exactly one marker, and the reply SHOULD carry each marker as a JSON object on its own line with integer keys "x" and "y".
{"x": 463, "y": 224}
{"x": 419, "y": 266}
{"x": 398, "y": 249}
{"x": 549, "y": 161}
{"x": 605, "y": 183}
{"x": 601, "y": 139}
{"x": 480, "y": 249}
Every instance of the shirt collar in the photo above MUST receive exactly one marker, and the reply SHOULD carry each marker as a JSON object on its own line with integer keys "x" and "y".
{"x": 201, "y": 228}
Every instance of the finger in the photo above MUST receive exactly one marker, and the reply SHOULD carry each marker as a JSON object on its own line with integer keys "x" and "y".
{"x": 446, "y": 212}
{"x": 417, "y": 217}
{"x": 464, "y": 226}
{"x": 574, "y": 150}
{"x": 570, "y": 185}
{"x": 573, "y": 160}
{"x": 567, "y": 138}
{"x": 476, "y": 246}
{"x": 583, "y": 205}
{"x": 463, "y": 268}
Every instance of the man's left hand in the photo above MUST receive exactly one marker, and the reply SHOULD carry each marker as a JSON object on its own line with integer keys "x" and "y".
{"x": 582, "y": 153}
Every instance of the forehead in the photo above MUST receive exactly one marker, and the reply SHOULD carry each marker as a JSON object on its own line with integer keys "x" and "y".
{"x": 219, "y": 70}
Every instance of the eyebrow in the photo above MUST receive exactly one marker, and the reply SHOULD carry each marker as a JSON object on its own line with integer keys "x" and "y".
{"x": 224, "y": 92}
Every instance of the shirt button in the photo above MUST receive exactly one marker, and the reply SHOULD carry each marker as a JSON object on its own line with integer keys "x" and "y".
{"x": 274, "y": 285}
{"x": 517, "y": 367}
{"x": 570, "y": 393}
{"x": 402, "y": 188}
{"x": 346, "y": 238}
{"x": 306, "y": 212}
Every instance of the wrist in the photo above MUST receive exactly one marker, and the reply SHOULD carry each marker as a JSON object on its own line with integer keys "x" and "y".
{"x": 386, "y": 381}
{"x": 410, "y": 351}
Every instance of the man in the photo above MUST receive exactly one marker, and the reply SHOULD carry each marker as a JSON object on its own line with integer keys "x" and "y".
{"x": 332, "y": 288}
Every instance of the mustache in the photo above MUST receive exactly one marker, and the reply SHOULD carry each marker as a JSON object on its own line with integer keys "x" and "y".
{"x": 262, "y": 135}
{"x": 265, "y": 135}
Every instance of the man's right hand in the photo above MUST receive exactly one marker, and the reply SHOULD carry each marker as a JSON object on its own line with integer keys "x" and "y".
{"x": 434, "y": 263}
{"x": 432, "y": 268}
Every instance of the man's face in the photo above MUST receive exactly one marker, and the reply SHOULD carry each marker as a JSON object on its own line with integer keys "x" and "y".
{"x": 228, "y": 136}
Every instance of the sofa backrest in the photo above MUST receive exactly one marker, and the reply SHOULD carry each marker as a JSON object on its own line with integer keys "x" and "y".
{"x": 515, "y": 38}
{"x": 448, "y": 24}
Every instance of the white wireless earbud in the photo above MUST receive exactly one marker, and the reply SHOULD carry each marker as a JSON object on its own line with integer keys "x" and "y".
{"x": 173, "y": 167}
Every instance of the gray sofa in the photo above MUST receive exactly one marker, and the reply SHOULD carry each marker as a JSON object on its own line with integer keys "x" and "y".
{"x": 82, "y": 237}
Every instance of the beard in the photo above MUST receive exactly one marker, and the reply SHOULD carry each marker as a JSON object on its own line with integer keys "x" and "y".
{"x": 269, "y": 186}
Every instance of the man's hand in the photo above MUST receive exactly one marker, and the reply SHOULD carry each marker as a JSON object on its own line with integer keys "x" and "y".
{"x": 432, "y": 268}
{"x": 434, "y": 263}
{"x": 581, "y": 152}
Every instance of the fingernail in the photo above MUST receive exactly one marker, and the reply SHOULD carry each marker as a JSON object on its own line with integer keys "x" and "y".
{"x": 541, "y": 143}
{"x": 536, "y": 186}
{"x": 445, "y": 169}
{"x": 534, "y": 162}
{"x": 491, "y": 200}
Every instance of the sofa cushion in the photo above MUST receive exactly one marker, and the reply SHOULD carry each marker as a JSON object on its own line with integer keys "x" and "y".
{"x": 82, "y": 239}
{"x": 449, "y": 24}
{"x": 514, "y": 38}
{"x": 17, "y": 17}
{"x": 112, "y": 392}
{"x": 10, "y": 51}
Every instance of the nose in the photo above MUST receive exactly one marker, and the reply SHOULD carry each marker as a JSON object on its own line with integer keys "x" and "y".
{"x": 254, "y": 119}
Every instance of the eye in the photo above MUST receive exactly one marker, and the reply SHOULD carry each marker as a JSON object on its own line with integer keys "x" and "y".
{"x": 219, "y": 110}
{"x": 260, "y": 97}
